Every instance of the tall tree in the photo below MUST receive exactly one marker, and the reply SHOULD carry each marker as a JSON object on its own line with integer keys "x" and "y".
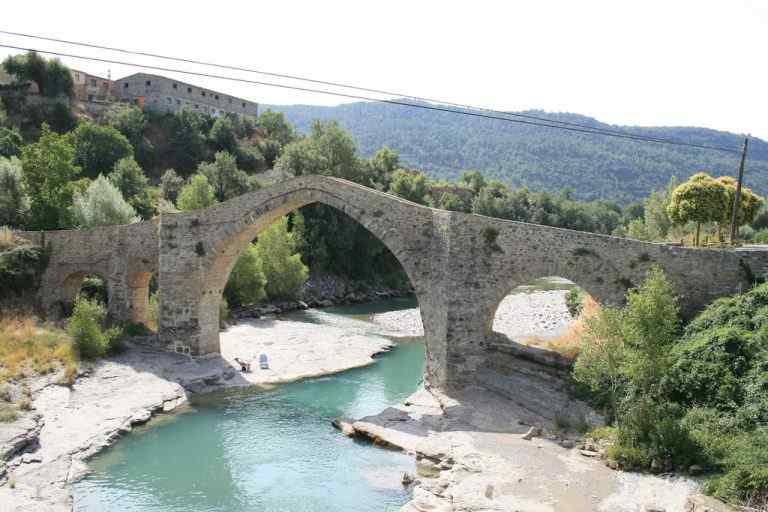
{"x": 701, "y": 199}
{"x": 49, "y": 175}
{"x": 14, "y": 202}
{"x": 102, "y": 204}
{"x": 197, "y": 194}
{"x": 131, "y": 181}
{"x": 223, "y": 175}
{"x": 98, "y": 148}
{"x": 409, "y": 185}
{"x": 53, "y": 78}
{"x": 282, "y": 266}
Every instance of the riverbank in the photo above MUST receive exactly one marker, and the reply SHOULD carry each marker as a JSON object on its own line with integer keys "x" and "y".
{"x": 45, "y": 450}
{"x": 478, "y": 451}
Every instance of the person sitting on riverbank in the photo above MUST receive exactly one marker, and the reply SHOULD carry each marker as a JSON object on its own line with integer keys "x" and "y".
{"x": 244, "y": 367}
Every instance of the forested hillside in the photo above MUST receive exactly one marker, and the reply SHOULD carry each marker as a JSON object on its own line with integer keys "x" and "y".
{"x": 443, "y": 144}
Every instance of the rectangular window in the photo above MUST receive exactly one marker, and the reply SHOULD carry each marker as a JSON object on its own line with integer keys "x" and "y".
{"x": 93, "y": 82}
{"x": 178, "y": 102}
{"x": 195, "y": 105}
{"x": 217, "y": 96}
{"x": 175, "y": 86}
{"x": 202, "y": 93}
{"x": 189, "y": 90}
{"x": 125, "y": 85}
{"x": 148, "y": 83}
{"x": 243, "y": 105}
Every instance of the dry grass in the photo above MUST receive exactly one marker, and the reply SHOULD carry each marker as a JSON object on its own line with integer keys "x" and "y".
{"x": 28, "y": 348}
{"x": 569, "y": 343}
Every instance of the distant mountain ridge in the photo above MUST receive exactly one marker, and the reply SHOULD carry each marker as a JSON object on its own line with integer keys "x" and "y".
{"x": 443, "y": 144}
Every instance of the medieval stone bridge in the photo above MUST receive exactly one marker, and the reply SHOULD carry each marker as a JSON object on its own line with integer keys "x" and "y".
{"x": 460, "y": 265}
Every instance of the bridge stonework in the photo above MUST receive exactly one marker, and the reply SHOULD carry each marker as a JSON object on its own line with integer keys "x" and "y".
{"x": 460, "y": 265}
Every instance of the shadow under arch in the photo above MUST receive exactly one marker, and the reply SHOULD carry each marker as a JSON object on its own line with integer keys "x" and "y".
{"x": 235, "y": 236}
{"x": 70, "y": 286}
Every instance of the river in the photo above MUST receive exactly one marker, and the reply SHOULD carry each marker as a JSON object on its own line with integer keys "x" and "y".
{"x": 275, "y": 450}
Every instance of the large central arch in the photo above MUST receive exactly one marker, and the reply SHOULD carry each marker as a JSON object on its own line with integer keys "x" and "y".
{"x": 199, "y": 250}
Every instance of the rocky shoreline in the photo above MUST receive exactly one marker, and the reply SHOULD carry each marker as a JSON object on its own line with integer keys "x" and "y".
{"x": 44, "y": 451}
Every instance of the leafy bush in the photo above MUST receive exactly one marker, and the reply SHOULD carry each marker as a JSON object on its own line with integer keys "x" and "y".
{"x": 14, "y": 202}
{"x": 761, "y": 236}
{"x": 282, "y": 266}
{"x": 246, "y": 282}
{"x": 85, "y": 328}
{"x": 21, "y": 269}
{"x": 197, "y": 194}
{"x": 701, "y": 398}
{"x": 574, "y": 302}
{"x": 102, "y": 204}
{"x": 98, "y": 148}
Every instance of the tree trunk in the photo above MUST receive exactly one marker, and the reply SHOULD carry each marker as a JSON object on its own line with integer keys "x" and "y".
{"x": 698, "y": 228}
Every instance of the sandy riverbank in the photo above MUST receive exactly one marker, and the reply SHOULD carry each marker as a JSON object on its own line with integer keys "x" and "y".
{"x": 111, "y": 396}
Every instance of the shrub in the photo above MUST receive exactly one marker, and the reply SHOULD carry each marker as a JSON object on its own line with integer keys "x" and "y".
{"x": 246, "y": 282}
{"x": 98, "y": 148}
{"x": 85, "y": 327}
{"x": 574, "y": 302}
{"x": 21, "y": 269}
{"x": 761, "y": 236}
{"x": 102, "y": 204}
{"x": 197, "y": 194}
{"x": 282, "y": 266}
{"x": 14, "y": 202}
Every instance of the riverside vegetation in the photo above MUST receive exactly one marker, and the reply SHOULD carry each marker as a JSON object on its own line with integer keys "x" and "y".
{"x": 706, "y": 381}
{"x": 691, "y": 398}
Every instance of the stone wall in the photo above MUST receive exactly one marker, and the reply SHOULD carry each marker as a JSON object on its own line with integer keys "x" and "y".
{"x": 460, "y": 265}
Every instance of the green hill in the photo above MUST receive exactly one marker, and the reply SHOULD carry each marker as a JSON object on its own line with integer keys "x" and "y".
{"x": 443, "y": 144}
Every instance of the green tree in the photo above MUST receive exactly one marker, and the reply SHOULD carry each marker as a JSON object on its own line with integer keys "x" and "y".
{"x": 382, "y": 165}
{"x": 473, "y": 179}
{"x": 282, "y": 266}
{"x": 49, "y": 175}
{"x": 14, "y": 202}
{"x": 493, "y": 201}
{"x": 53, "y": 78}
{"x": 328, "y": 151}
{"x": 656, "y": 215}
{"x": 277, "y": 127}
{"x": 223, "y": 135}
{"x": 246, "y": 283}
{"x": 749, "y": 203}
{"x": 128, "y": 177}
{"x": 187, "y": 142}
{"x": 223, "y": 175}
{"x": 453, "y": 202}
{"x": 197, "y": 194}
{"x": 700, "y": 199}
{"x": 98, "y": 148}
{"x": 102, "y": 204}
{"x": 170, "y": 184}
{"x": 128, "y": 120}
{"x": 409, "y": 185}
{"x": 10, "y": 141}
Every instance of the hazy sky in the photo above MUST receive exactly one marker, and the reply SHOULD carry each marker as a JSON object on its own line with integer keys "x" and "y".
{"x": 652, "y": 62}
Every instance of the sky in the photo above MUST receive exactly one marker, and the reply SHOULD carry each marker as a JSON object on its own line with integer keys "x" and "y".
{"x": 649, "y": 63}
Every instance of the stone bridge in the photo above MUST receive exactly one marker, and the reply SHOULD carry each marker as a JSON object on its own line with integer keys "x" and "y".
{"x": 460, "y": 265}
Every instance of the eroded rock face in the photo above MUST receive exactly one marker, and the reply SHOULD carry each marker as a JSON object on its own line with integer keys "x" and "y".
{"x": 20, "y": 436}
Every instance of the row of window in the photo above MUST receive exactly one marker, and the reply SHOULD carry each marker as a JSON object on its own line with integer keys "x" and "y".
{"x": 148, "y": 83}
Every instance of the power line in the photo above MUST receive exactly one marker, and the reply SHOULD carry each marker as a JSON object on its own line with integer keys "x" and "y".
{"x": 329, "y": 83}
{"x": 592, "y": 131}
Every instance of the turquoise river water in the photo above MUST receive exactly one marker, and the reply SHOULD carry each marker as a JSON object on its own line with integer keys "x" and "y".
{"x": 271, "y": 451}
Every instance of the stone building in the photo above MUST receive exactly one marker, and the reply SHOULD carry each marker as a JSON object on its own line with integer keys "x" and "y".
{"x": 91, "y": 88}
{"x": 161, "y": 94}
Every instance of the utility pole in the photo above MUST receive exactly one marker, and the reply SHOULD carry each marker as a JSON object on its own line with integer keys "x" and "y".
{"x": 737, "y": 195}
